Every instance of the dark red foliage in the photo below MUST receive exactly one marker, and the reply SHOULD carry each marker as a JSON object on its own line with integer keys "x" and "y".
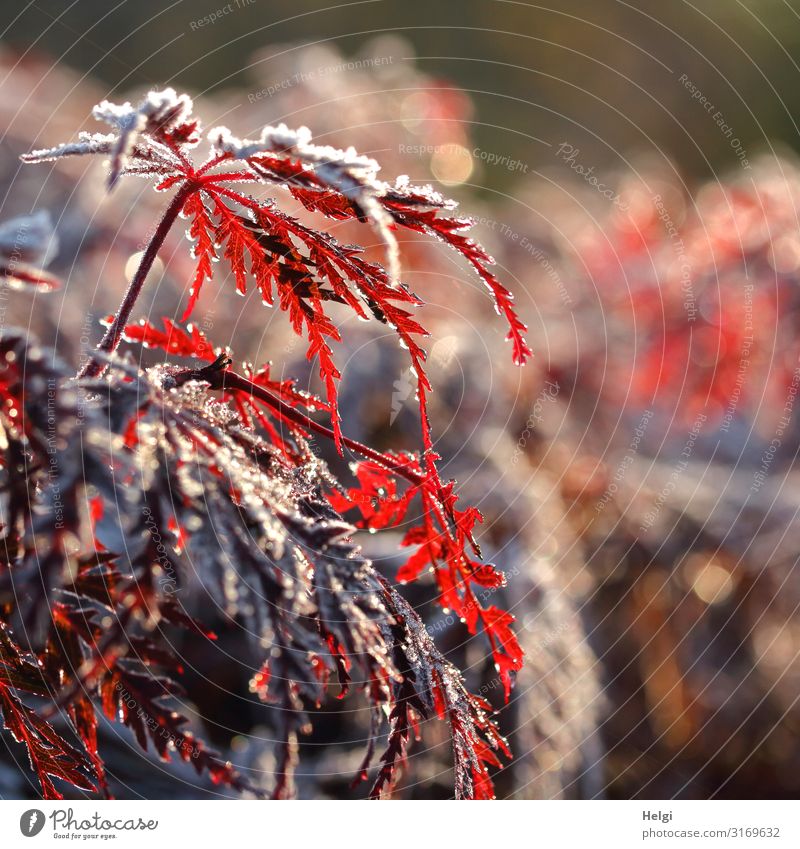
{"x": 50, "y": 755}
{"x": 151, "y": 469}
{"x": 444, "y": 544}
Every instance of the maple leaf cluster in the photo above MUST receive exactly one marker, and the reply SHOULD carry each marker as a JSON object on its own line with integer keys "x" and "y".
{"x": 180, "y": 471}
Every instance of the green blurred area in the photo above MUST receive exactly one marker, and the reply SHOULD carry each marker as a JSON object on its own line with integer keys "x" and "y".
{"x": 604, "y": 75}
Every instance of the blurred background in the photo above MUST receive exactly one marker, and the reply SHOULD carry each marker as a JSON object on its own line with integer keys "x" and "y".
{"x": 633, "y": 169}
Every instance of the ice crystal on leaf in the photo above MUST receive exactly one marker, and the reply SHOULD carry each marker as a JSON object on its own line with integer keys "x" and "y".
{"x": 214, "y": 458}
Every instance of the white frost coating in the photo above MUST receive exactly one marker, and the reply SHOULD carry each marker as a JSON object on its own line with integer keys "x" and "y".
{"x": 158, "y": 110}
{"x": 137, "y": 139}
{"x": 120, "y": 115}
{"x": 297, "y": 142}
{"x": 350, "y": 173}
{"x": 87, "y": 143}
{"x": 273, "y": 140}
{"x": 134, "y": 125}
{"x": 431, "y": 195}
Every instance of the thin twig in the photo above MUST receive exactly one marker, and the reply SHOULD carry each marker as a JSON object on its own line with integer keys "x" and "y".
{"x": 95, "y": 366}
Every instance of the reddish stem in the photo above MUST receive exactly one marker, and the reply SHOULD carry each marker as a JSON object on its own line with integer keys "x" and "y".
{"x": 231, "y": 380}
{"x": 221, "y": 157}
{"x": 238, "y": 176}
{"x": 113, "y": 334}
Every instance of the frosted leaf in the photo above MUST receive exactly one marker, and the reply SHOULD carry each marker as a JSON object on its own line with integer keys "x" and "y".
{"x": 26, "y": 245}
{"x": 88, "y": 143}
{"x": 278, "y": 139}
{"x": 159, "y": 111}
{"x": 31, "y": 238}
{"x": 425, "y": 194}
{"x": 346, "y": 171}
{"x": 229, "y": 493}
